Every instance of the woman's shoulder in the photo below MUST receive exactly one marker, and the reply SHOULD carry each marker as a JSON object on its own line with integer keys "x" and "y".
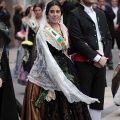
{"x": 47, "y": 25}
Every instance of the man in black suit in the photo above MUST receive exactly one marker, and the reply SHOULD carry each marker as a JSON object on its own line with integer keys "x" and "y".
{"x": 89, "y": 35}
{"x": 67, "y": 6}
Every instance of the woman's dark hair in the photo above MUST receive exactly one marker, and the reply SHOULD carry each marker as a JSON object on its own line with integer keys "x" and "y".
{"x": 41, "y": 5}
{"x": 28, "y": 10}
{"x": 53, "y": 3}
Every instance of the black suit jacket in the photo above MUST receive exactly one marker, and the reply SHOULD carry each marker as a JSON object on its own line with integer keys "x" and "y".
{"x": 110, "y": 17}
{"x": 82, "y": 30}
{"x": 17, "y": 21}
{"x": 118, "y": 16}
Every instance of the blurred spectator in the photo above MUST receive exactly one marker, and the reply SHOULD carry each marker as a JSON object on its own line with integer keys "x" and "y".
{"x": 95, "y": 4}
{"x": 17, "y": 20}
{"x": 8, "y": 108}
{"x": 5, "y": 18}
{"x": 4, "y": 14}
{"x": 32, "y": 31}
{"x": 109, "y": 16}
{"x": 29, "y": 11}
{"x": 116, "y": 21}
{"x": 28, "y": 14}
{"x": 33, "y": 19}
{"x": 67, "y": 7}
{"x": 44, "y": 2}
{"x": 107, "y": 4}
{"x": 22, "y": 75}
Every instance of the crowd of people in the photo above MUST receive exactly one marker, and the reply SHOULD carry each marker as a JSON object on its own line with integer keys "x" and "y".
{"x": 62, "y": 54}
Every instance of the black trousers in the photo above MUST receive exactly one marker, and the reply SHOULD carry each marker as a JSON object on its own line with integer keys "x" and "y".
{"x": 117, "y": 37}
{"x": 19, "y": 107}
{"x": 92, "y": 82}
{"x": 1, "y": 96}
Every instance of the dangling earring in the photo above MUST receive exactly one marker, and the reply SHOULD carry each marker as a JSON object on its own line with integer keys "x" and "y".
{"x": 60, "y": 20}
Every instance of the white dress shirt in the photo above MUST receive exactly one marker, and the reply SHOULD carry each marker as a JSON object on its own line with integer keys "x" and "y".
{"x": 115, "y": 9}
{"x": 92, "y": 14}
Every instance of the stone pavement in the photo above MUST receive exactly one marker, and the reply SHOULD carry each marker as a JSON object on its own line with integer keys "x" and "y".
{"x": 111, "y": 112}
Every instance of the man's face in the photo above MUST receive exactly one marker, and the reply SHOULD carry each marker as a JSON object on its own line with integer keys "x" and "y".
{"x": 87, "y": 2}
{"x": 114, "y": 3}
{"x": 101, "y": 2}
{"x": 61, "y": 1}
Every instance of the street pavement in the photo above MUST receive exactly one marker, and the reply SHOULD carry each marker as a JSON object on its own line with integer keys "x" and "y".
{"x": 110, "y": 112}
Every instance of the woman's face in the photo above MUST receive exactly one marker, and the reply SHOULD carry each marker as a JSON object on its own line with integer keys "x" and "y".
{"x": 54, "y": 14}
{"x": 38, "y": 12}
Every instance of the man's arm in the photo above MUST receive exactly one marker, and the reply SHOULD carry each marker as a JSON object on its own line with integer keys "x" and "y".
{"x": 78, "y": 42}
{"x": 77, "y": 39}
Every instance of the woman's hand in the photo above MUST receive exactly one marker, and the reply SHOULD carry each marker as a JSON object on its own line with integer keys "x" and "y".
{"x": 1, "y": 82}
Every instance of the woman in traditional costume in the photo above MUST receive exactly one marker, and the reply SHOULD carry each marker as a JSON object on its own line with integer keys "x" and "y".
{"x": 53, "y": 92}
{"x": 33, "y": 26}
{"x": 31, "y": 23}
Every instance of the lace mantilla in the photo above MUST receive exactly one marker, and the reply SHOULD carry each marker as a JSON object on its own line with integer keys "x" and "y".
{"x": 47, "y": 74}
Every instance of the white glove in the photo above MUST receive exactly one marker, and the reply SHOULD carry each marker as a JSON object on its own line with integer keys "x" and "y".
{"x": 50, "y": 96}
{"x": 1, "y": 82}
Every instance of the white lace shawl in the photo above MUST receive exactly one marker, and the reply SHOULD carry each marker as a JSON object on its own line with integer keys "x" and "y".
{"x": 47, "y": 74}
{"x": 51, "y": 41}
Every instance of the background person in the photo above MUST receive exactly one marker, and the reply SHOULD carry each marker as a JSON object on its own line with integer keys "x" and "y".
{"x": 5, "y": 18}
{"x": 109, "y": 16}
{"x": 116, "y": 36}
{"x": 8, "y": 107}
{"x": 67, "y": 6}
{"x": 17, "y": 20}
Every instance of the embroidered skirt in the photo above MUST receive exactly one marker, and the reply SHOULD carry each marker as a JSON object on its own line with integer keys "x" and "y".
{"x": 59, "y": 109}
